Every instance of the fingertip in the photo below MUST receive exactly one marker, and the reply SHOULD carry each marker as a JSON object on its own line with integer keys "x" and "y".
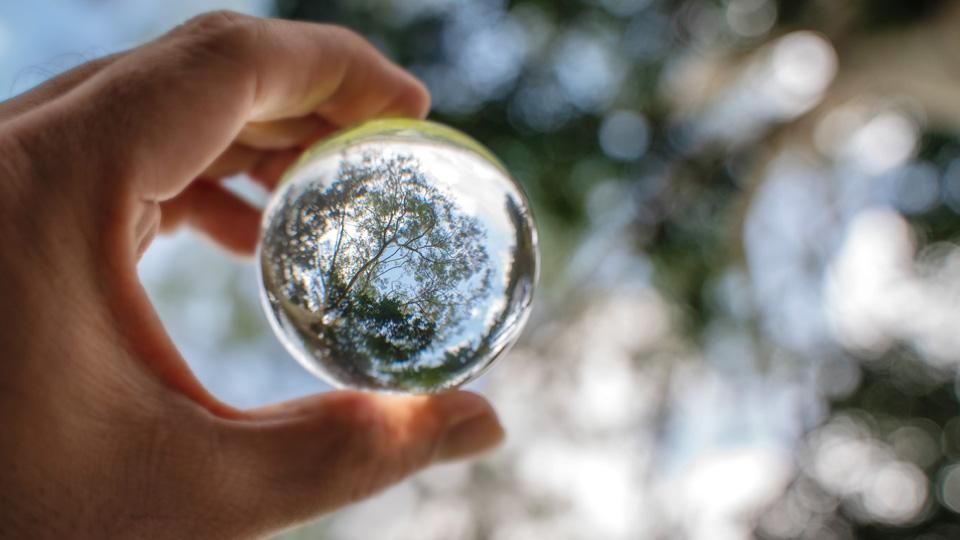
{"x": 319, "y": 453}
{"x": 460, "y": 406}
{"x": 422, "y": 100}
{"x": 411, "y": 100}
{"x": 224, "y": 217}
{"x": 470, "y": 438}
{"x": 461, "y": 424}
{"x": 270, "y": 170}
{"x": 470, "y": 426}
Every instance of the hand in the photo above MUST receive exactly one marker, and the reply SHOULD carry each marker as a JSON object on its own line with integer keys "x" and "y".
{"x": 106, "y": 433}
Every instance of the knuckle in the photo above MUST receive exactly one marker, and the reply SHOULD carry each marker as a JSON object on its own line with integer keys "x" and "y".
{"x": 222, "y": 31}
{"x": 225, "y": 40}
{"x": 215, "y": 20}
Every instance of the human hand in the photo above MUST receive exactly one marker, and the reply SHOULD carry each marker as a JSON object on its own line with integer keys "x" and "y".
{"x": 106, "y": 432}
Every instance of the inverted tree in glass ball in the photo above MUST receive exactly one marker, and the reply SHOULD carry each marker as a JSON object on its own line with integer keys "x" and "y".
{"x": 398, "y": 256}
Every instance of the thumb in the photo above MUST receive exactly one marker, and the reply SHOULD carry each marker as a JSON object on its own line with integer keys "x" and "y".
{"x": 299, "y": 459}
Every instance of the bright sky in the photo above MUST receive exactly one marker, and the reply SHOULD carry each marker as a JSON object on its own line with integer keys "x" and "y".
{"x": 41, "y": 38}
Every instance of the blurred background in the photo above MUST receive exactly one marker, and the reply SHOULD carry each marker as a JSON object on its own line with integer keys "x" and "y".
{"x": 749, "y": 318}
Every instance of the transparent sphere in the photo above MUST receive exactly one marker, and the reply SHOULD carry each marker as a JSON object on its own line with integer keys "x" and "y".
{"x": 399, "y": 256}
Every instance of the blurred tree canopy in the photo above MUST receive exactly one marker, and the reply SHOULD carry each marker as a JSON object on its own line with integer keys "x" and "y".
{"x": 746, "y": 140}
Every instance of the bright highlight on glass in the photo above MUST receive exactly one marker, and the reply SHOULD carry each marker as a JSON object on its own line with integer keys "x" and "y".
{"x": 398, "y": 256}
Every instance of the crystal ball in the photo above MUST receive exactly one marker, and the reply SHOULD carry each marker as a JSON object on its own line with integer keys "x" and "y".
{"x": 398, "y": 256}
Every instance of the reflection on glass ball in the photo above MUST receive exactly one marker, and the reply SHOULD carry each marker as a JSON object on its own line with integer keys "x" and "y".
{"x": 399, "y": 256}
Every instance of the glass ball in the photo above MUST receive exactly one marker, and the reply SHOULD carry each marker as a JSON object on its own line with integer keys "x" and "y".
{"x": 398, "y": 256}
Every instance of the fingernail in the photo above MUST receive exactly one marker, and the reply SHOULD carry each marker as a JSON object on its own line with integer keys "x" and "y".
{"x": 470, "y": 437}
{"x": 459, "y": 406}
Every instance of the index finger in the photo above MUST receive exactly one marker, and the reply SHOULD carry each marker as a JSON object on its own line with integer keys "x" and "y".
{"x": 159, "y": 116}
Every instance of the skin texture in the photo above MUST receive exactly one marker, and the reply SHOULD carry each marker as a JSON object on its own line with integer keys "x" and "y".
{"x": 106, "y": 432}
